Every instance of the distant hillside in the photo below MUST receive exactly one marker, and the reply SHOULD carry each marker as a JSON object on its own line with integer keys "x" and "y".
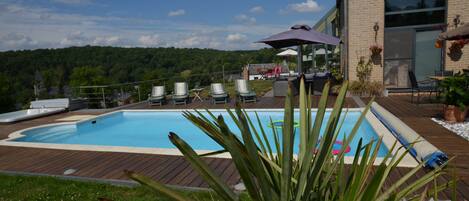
{"x": 53, "y": 68}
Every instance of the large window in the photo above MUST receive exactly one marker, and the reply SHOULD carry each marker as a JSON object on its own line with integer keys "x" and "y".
{"x": 411, "y": 28}
{"x": 414, "y": 12}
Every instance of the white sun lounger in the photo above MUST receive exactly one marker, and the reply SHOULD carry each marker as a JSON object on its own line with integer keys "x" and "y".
{"x": 157, "y": 96}
{"x": 218, "y": 93}
{"x": 244, "y": 93}
{"x": 181, "y": 93}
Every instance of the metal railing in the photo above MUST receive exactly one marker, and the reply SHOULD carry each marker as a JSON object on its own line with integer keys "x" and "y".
{"x": 118, "y": 94}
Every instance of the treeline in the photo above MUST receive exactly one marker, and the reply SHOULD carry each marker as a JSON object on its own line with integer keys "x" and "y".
{"x": 55, "y": 70}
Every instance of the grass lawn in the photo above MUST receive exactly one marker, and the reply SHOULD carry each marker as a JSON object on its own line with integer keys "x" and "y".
{"x": 50, "y": 188}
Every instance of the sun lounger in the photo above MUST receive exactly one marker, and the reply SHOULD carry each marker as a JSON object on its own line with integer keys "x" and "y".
{"x": 218, "y": 93}
{"x": 181, "y": 93}
{"x": 243, "y": 92}
{"x": 157, "y": 96}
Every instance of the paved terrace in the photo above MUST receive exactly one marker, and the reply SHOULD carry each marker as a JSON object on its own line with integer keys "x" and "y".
{"x": 174, "y": 170}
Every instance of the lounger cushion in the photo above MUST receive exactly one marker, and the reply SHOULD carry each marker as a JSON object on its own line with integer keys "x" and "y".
{"x": 154, "y": 98}
{"x": 220, "y": 95}
{"x": 249, "y": 94}
{"x": 158, "y": 91}
{"x": 180, "y": 96}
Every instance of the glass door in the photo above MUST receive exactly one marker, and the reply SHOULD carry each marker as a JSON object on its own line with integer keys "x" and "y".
{"x": 398, "y": 57}
{"x": 427, "y": 57}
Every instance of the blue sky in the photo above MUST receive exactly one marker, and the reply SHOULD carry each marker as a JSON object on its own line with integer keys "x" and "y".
{"x": 218, "y": 24}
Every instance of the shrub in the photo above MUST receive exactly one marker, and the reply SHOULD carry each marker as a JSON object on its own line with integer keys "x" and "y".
{"x": 456, "y": 90}
{"x": 364, "y": 69}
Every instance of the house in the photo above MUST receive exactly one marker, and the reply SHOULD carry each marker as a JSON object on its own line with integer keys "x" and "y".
{"x": 405, "y": 30}
{"x": 268, "y": 70}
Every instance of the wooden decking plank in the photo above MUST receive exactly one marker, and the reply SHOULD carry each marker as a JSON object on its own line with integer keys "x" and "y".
{"x": 198, "y": 180}
{"x": 168, "y": 168}
{"x": 168, "y": 178}
{"x": 124, "y": 164}
{"x": 114, "y": 166}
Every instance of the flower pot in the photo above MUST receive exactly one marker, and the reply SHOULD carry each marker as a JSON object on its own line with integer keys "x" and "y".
{"x": 455, "y": 114}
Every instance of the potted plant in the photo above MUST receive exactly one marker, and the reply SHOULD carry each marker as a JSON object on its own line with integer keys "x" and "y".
{"x": 455, "y": 97}
{"x": 376, "y": 49}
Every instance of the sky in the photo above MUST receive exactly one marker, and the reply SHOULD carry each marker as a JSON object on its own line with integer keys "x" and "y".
{"x": 216, "y": 24}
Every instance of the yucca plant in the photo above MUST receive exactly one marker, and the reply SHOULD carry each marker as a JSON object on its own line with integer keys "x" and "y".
{"x": 271, "y": 170}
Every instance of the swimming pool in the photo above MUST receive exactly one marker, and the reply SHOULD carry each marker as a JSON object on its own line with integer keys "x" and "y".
{"x": 149, "y": 129}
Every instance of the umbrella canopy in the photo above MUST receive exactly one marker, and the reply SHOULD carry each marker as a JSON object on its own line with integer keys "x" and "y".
{"x": 299, "y": 35}
{"x": 322, "y": 52}
{"x": 461, "y": 32}
{"x": 288, "y": 52}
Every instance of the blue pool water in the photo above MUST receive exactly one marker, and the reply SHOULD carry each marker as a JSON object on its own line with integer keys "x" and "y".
{"x": 150, "y": 129}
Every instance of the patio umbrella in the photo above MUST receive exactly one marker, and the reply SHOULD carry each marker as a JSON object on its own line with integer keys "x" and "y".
{"x": 299, "y": 35}
{"x": 459, "y": 33}
{"x": 288, "y": 52}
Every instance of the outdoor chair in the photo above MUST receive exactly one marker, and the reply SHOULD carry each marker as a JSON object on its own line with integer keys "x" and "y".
{"x": 181, "y": 93}
{"x": 157, "y": 96}
{"x": 243, "y": 92}
{"x": 420, "y": 86}
{"x": 218, "y": 93}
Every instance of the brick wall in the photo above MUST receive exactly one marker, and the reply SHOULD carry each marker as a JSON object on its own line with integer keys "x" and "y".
{"x": 362, "y": 17}
{"x": 458, "y": 7}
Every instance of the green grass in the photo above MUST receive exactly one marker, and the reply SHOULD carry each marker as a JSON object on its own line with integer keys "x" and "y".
{"x": 259, "y": 86}
{"x": 50, "y": 188}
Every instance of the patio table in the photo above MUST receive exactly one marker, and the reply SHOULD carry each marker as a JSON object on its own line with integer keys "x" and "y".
{"x": 196, "y": 93}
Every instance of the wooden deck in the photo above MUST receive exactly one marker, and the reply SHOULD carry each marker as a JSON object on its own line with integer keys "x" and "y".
{"x": 175, "y": 170}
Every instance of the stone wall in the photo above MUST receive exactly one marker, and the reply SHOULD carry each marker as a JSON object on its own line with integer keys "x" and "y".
{"x": 363, "y": 14}
{"x": 457, "y": 7}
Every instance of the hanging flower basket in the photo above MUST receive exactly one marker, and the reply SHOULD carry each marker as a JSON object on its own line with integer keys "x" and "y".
{"x": 458, "y": 45}
{"x": 376, "y": 49}
{"x": 438, "y": 44}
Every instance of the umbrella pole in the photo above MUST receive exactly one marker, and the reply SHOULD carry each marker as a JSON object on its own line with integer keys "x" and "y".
{"x": 299, "y": 60}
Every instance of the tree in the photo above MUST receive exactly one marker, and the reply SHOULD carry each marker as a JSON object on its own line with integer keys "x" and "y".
{"x": 87, "y": 76}
{"x": 186, "y": 74}
{"x": 7, "y": 102}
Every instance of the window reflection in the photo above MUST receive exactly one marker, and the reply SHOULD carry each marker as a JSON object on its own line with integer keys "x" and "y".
{"x": 401, "y": 5}
{"x": 409, "y": 19}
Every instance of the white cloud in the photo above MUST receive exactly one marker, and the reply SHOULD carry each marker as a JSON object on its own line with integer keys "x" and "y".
{"x": 236, "y": 38}
{"x": 308, "y": 6}
{"x": 245, "y": 19}
{"x": 106, "y": 40}
{"x": 17, "y": 41}
{"x": 199, "y": 41}
{"x": 150, "y": 40}
{"x": 177, "y": 13}
{"x": 256, "y": 9}
{"x": 79, "y": 38}
{"x": 40, "y": 27}
{"x": 76, "y": 38}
